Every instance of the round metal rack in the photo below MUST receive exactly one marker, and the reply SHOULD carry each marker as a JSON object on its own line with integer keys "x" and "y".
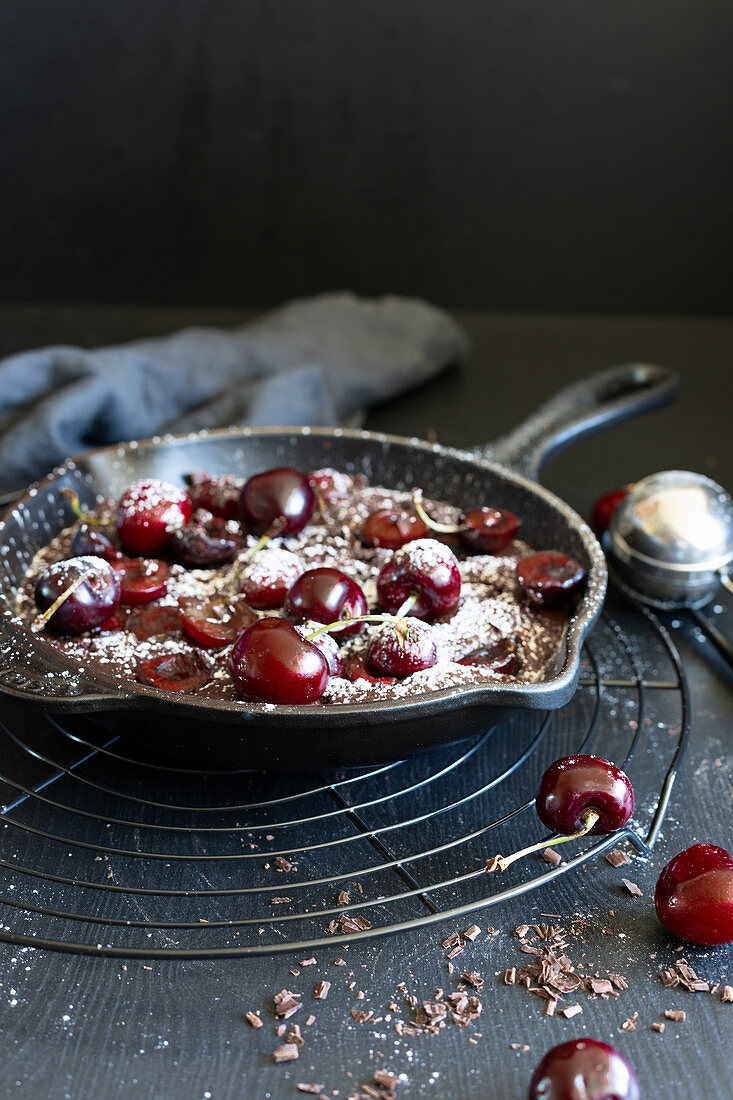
{"x": 112, "y": 850}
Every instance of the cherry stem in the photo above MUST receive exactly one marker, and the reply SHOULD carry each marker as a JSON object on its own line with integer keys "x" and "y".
{"x": 73, "y": 499}
{"x": 500, "y": 863}
{"x": 40, "y": 620}
{"x": 382, "y": 618}
{"x": 441, "y": 528}
{"x": 272, "y": 531}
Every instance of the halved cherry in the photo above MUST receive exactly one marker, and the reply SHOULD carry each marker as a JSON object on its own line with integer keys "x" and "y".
{"x": 142, "y": 580}
{"x": 391, "y": 528}
{"x": 485, "y": 530}
{"x": 215, "y": 622}
{"x": 498, "y": 656}
{"x": 205, "y": 542}
{"x": 173, "y": 672}
{"x": 355, "y": 668}
{"x": 549, "y": 578}
{"x": 150, "y": 622}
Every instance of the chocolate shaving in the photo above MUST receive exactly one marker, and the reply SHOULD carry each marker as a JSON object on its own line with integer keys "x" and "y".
{"x": 675, "y": 1014}
{"x": 601, "y": 985}
{"x": 474, "y": 978}
{"x": 571, "y": 1010}
{"x": 658, "y": 1026}
{"x": 359, "y": 1016}
{"x": 384, "y": 1077}
{"x": 727, "y": 994}
{"x": 617, "y": 858}
{"x": 632, "y": 888}
{"x": 510, "y": 976}
{"x": 353, "y": 924}
{"x": 284, "y": 864}
{"x": 286, "y": 1004}
{"x": 293, "y": 1035}
{"x": 287, "y": 1052}
{"x": 630, "y": 1024}
{"x": 551, "y": 856}
{"x": 472, "y": 933}
{"x": 308, "y": 962}
{"x": 342, "y": 898}
{"x": 280, "y": 901}
{"x": 321, "y": 991}
{"x": 253, "y": 1019}
{"x": 309, "y": 1088}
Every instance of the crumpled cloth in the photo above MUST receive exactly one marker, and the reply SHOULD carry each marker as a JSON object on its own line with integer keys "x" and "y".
{"x": 317, "y": 361}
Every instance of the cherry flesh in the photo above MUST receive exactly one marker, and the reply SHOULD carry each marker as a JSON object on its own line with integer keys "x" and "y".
{"x": 574, "y": 785}
{"x": 267, "y": 579}
{"x": 280, "y": 494}
{"x": 215, "y": 622}
{"x": 401, "y": 648}
{"x": 89, "y": 605}
{"x": 498, "y": 656}
{"x": 426, "y": 569}
{"x": 355, "y": 668}
{"x": 694, "y": 895}
{"x": 324, "y": 595}
{"x": 205, "y": 542}
{"x": 604, "y": 508}
{"x": 148, "y": 513}
{"x": 327, "y": 645}
{"x": 486, "y": 530}
{"x": 142, "y": 580}
{"x": 584, "y": 1069}
{"x": 391, "y": 529}
{"x": 152, "y": 622}
{"x": 218, "y": 495}
{"x": 549, "y": 578}
{"x": 271, "y": 663}
{"x": 88, "y": 539}
{"x": 173, "y": 672}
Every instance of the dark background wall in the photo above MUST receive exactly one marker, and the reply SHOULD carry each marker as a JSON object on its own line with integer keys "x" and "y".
{"x": 507, "y": 154}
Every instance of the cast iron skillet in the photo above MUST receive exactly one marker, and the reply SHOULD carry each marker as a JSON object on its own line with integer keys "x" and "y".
{"x": 251, "y": 734}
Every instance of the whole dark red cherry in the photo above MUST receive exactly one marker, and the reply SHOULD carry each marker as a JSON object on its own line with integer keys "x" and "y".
{"x": 391, "y": 529}
{"x": 142, "y": 580}
{"x": 325, "y": 595}
{"x": 355, "y": 668}
{"x": 576, "y": 784}
{"x": 331, "y": 484}
{"x": 426, "y": 569}
{"x": 89, "y": 605}
{"x": 205, "y": 542}
{"x": 88, "y": 539}
{"x": 604, "y": 508}
{"x": 215, "y": 622}
{"x": 694, "y": 895}
{"x": 485, "y": 530}
{"x": 549, "y": 578}
{"x": 271, "y": 663}
{"x": 219, "y": 495}
{"x": 327, "y": 645}
{"x": 401, "y": 648}
{"x": 584, "y": 1069}
{"x": 148, "y": 513}
{"x": 281, "y": 494}
{"x": 266, "y": 580}
{"x": 173, "y": 672}
{"x": 498, "y": 656}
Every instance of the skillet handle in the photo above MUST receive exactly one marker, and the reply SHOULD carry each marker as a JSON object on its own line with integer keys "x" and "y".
{"x": 580, "y": 410}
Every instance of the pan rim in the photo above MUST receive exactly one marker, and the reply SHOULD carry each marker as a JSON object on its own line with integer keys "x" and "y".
{"x": 107, "y": 692}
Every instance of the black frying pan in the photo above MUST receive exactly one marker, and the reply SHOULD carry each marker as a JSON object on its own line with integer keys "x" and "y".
{"x": 254, "y": 734}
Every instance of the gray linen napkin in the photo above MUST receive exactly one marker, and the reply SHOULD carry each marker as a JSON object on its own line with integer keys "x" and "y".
{"x": 316, "y": 361}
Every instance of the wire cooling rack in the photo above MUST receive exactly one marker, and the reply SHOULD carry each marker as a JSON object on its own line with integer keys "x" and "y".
{"x": 109, "y": 850}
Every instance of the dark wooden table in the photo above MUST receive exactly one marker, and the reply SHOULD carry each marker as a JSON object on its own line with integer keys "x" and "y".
{"x": 76, "y": 1028}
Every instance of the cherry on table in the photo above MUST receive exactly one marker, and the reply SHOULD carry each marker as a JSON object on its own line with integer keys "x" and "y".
{"x": 268, "y": 577}
{"x": 219, "y": 495}
{"x": 281, "y": 494}
{"x": 425, "y": 569}
{"x": 148, "y": 513}
{"x": 215, "y": 622}
{"x": 584, "y": 1069}
{"x": 401, "y": 648}
{"x": 499, "y": 656}
{"x": 486, "y": 530}
{"x": 142, "y": 580}
{"x": 173, "y": 672}
{"x": 604, "y": 508}
{"x": 694, "y": 895}
{"x": 549, "y": 578}
{"x": 391, "y": 528}
{"x": 89, "y": 539}
{"x": 575, "y": 785}
{"x": 87, "y": 591}
{"x": 271, "y": 663}
{"x": 207, "y": 541}
{"x": 325, "y": 595}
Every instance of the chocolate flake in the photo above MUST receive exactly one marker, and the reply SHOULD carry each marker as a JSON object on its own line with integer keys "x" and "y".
{"x": 359, "y": 1016}
{"x": 353, "y": 924}
{"x": 308, "y": 962}
{"x": 632, "y": 888}
{"x": 286, "y": 1004}
{"x": 675, "y": 1014}
{"x": 309, "y": 1021}
{"x": 658, "y": 1026}
{"x": 727, "y": 994}
{"x": 287, "y": 1052}
{"x": 321, "y": 991}
{"x": 385, "y": 1078}
{"x": 280, "y": 901}
{"x": 472, "y": 933}
{"x": 601, "y": 985}
{"x": 301, "y": 1087}
{"x": 456, "y": 951}
{"x": 474, "y": 978}
{"x": 617, "y": 858}
{"x": 284, "y": 864}
{"x": 551, "y": 856}
{"x": 630, "y": 1024}
{"x": 510, "y": 976}
{"x": 253, "y": 1018}
{"x": 571, "y": 1010}
{"x": 342, "y": 897}
{"x": 294, "y": 1036}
